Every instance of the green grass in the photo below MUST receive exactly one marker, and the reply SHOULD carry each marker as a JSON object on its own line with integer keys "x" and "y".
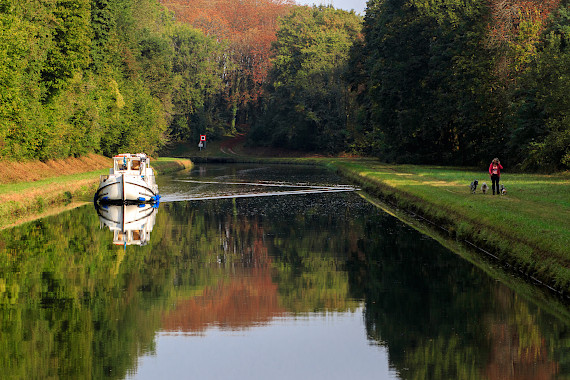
{"x": 529, "y": 227}
{"x": 165, "y": 165}
{"x": 23, "y": 186}
{"x": 25, "y": 200}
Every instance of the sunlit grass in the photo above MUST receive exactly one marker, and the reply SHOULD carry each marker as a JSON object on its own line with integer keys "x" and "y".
{"x": 168, "y": 164}
{"x": 529, "y": 227}
{"x": 23, "y": 186}
{"x": 25, "y": 200}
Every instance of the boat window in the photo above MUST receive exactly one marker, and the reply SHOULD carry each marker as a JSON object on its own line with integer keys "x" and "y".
{"x": 120, "y": 236}
{"x": 136, "y": 235}
{"x": 121, "y": 164}
{"x": 135, "y": 165}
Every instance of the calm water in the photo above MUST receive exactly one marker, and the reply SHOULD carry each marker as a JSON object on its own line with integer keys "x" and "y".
{"x": 262, "y": 272}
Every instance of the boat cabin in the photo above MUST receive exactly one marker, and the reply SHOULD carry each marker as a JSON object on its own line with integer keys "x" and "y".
{"x": 130, "y": 163}
{"x": 131, "y": 237}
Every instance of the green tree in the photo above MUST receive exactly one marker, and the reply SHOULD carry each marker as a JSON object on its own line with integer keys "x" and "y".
{"x": 425, "y": 75}
{"x": 84, "y": 76}
{"x": 14, "y": 62}
{"x": 68, "y": 25}
{"x": 540, "y": 138}
{"x": 198, "y": 67}
{"x": 104, "y": 39}
{"x": 306, "y": 102}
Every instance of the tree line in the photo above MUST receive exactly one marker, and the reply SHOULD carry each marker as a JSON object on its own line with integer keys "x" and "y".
{"x": 450, "y": 82}
{"x": 463, "y": 81}
{"x": 107, "y": 76}
{"x": 446, "y": 82}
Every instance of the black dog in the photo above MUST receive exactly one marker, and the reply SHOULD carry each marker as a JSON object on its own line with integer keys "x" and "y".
{"x": 503, "y": 190}
{"x": 474, "y": 186}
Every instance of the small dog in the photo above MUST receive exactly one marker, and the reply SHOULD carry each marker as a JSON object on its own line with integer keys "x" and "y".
{"x": 473, "y": 186}
{"x": 503, "y": 190}
{"x": 484, "y": 188}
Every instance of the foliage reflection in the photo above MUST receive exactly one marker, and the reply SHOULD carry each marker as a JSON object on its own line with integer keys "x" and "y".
{"x": 75, "y": 305}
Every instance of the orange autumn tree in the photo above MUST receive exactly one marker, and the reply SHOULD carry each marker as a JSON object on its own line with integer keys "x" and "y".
{"x": 249, "y": 26}
{"x": 515, "y": 30}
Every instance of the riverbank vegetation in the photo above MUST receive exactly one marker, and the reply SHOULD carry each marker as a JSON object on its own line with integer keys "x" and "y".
{"x": 306, "y": 101}
{"x": 527, "y": 228}
{"x": 46, "y": 188}
{"x": 461, "y": 82}
{"x": 106, "y": 76}
{"x": 452, "y": 82}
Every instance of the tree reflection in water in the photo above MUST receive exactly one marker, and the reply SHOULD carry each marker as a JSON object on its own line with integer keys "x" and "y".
{"x": 72, "y": 304}
{"x": 441, "y": 317}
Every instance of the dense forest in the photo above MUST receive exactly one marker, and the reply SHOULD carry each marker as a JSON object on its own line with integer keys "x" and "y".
{"x": 450, "y": 82}
{"x": 463, "y": 81}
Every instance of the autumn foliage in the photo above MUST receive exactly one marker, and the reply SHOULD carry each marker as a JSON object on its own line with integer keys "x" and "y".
{"x": 249, "y": 26}
{"x": 239, "y": 303}
{"x": 515, "y": 29}
{"x": 247, "y": 299}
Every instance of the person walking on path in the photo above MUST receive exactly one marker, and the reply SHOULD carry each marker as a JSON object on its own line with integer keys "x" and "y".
{"x": 495, "y": 173}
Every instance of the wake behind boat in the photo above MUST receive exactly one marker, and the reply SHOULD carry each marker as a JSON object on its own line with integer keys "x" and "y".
{"x": 130, "y": 180}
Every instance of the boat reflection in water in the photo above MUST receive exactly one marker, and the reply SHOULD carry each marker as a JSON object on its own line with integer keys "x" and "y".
{"x": 131, "y": 224}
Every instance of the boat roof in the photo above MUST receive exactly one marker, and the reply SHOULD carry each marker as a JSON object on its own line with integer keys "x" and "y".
{"x": 130, "y": 155}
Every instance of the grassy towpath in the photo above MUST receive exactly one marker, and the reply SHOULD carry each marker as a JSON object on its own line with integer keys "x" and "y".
{"x": 37, "y": 190}
{"x": 528, "y": 228}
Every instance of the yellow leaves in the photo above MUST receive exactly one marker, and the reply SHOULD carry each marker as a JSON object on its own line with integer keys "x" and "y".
{"x": 515, "y": 31}
{"x": 523, "y": 46}
{"x": 8, "y": 292}
{"x": 119, "y": 100}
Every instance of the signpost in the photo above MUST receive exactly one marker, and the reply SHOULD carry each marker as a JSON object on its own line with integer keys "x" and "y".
{"x": 202, "y": 143}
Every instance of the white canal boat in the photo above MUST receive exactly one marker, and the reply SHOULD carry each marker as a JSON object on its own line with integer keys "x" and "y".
{"x": 130, "y": 180}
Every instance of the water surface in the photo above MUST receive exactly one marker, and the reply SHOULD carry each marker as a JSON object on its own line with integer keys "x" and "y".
{"x": 307, "y": 280}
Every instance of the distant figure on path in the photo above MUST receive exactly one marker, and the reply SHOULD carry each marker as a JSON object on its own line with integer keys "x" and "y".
{"x": 495, "y": 173}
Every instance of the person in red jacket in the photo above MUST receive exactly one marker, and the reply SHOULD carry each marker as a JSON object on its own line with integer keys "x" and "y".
{"x": 495, "y": 173}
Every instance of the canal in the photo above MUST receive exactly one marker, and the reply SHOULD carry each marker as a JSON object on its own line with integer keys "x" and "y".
{"x": 262, "y": 272}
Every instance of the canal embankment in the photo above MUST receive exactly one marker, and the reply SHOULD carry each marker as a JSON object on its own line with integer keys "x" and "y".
{"x": 528, "y": 228}
{"x": 33, "y": 189}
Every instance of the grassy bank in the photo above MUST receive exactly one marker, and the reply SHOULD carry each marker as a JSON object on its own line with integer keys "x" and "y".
{"x": 29, "y": 199}
{"x": 23, "y": 201}
{"x": 529, "y": 228}
{"x": 164, "y": 165}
